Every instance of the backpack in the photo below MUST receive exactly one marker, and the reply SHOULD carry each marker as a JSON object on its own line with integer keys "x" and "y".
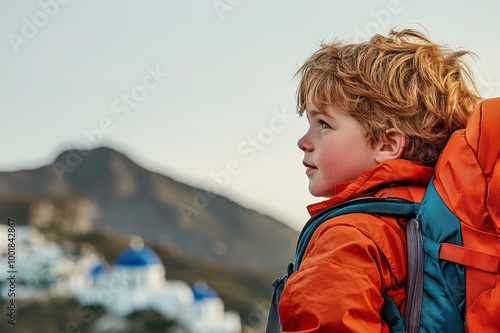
{"x": 453, "y": 237}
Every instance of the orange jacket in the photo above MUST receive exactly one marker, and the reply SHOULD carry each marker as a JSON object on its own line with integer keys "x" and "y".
{"x": 351, "y": 259}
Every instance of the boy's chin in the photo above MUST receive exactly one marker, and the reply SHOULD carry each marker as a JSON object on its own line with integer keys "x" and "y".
{"x": 321, "y": 193}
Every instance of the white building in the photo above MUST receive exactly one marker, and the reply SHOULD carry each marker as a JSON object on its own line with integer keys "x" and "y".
{"x": 136, "y": 281}
{"x": 207, "y": 312}
{"x": 42, "y": 269}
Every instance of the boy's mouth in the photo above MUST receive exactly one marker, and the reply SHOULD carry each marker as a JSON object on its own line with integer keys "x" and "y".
{"x": 309, "y": 167}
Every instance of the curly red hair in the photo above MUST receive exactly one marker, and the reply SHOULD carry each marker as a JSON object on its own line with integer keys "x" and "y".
{"x": 402, "y": 81}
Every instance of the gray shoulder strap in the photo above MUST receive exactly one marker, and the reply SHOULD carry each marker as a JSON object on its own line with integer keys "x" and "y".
{"x": 415, "y": 275}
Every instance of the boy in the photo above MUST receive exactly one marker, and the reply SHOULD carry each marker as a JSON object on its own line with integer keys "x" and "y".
{"x": 379, "y": 112}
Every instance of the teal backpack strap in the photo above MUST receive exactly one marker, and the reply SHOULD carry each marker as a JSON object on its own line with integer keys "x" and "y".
{"x": 376, "y": 206}
{"x": 391, "y": 315}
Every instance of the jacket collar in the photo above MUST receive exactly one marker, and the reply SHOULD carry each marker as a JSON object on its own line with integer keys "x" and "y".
{"x": 399, "y": 170}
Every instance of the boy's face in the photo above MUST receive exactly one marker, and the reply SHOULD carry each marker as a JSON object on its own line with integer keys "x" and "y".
{"x": 335, "y": 150}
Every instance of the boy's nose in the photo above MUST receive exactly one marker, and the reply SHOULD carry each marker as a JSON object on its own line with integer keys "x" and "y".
{"x": 304, "y": 144}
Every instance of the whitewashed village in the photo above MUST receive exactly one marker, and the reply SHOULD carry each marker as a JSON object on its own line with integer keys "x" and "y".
{"x": 135, "y": 281}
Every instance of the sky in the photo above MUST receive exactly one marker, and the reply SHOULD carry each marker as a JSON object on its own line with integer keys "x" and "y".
{"x": 201, "y": 91}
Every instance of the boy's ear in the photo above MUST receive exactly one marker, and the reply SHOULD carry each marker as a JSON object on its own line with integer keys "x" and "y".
{"x": 392, "y": 147}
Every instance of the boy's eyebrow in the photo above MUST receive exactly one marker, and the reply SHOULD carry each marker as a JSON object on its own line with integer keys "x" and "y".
{"x": 312, "y": 112}
{"x": 316, "y": 112}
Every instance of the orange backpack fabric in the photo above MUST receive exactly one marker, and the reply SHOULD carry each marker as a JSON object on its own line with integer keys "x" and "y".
{"x": 470, "y": 165}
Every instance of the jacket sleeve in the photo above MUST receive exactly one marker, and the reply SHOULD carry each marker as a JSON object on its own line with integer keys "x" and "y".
{"x": 338, "y": 286}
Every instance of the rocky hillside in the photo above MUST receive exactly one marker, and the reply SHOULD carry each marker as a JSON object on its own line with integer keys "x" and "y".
{"x": 117, "y": 195}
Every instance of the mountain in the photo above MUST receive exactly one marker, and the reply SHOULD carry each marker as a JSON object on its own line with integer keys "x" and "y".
{"x": 122, "y": 197}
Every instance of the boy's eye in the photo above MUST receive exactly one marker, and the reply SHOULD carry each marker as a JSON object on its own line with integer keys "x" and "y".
{"x": 323, "y": 124}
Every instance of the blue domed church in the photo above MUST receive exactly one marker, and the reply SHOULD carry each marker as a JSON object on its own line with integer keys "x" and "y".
{"x": 136, "y": 281}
